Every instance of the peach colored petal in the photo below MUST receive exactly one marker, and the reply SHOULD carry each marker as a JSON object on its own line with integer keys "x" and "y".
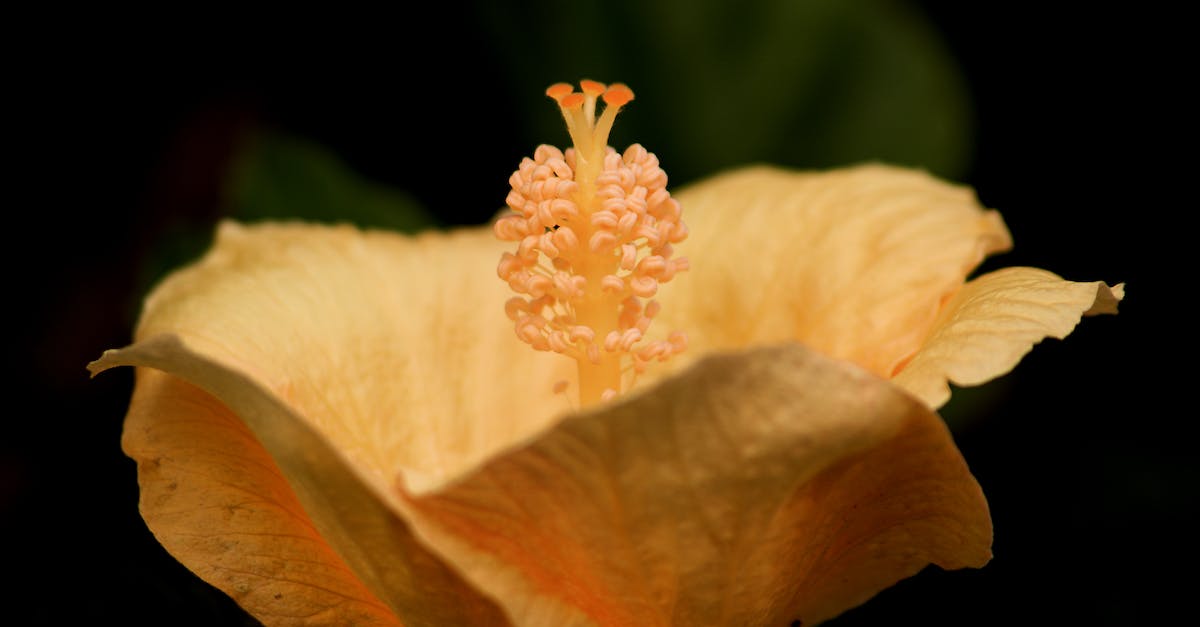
{"x": 756, "y": 488}
{"x": 852, "y": 262}
{"x": 392, "y": 347}
{"x": 213, "y": 497}
{"x": 993, "y": 322}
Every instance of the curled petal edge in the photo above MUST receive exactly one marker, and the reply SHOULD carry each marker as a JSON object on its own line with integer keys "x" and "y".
{"x": 994, "y": 321}
{"x": 756, "y": 487}
{"x": 856, "y": 263}
{"x": 349, "y": 509}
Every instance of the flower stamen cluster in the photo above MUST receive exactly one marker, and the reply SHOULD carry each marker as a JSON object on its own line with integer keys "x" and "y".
{"x": 595, "y": 232}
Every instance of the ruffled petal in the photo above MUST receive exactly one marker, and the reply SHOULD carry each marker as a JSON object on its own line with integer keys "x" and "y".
{"x": 216, "y": 500}
{"x": 392, "y": 347}
{"x": 245, "y": 493}
{"x": 993, "y": 322}
{"x": 853, "y": 262}
{"x": 758, "y": 487}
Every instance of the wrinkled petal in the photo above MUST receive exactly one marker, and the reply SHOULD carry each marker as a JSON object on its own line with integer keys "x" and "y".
{"x": 392, "y": 347}
{"x": 216, "y": 500}
{"x": 993, "y": 322}
{"x": 770, "y": 485}
{"x": 374, "y": 348}
{"x": 855, "y": 262}
{"x": 213, "y": 493}
{"x": 757, "y": 488}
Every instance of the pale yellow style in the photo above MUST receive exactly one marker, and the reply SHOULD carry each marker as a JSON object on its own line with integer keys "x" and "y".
{"x": 339, "y": 427}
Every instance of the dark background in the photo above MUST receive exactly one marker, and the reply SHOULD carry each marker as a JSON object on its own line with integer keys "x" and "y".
{"x": 1072, "y": 127}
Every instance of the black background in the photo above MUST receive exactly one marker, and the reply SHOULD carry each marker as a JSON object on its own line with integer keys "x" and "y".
{"x": 1086, "y": 457}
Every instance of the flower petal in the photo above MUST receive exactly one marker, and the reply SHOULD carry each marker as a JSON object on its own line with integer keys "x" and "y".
{"x": 853, "y": 262}
{"x": 390, "y": 346}
{"x": 993, "y": 322}
{"x": 758, "y": 487}
{"x": 215, "y": 496}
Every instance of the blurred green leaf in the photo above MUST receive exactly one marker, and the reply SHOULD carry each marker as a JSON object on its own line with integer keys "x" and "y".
{"x": 804, "y": 83}
{"x": 276, "y": 177}
{"x": 969, "y": 406}
{"x": 180, "y": 242}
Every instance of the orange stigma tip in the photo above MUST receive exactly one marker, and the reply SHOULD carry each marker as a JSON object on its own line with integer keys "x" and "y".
{"x": 571, "y": 100}
{"x": 592, "y": 88}
{"x": 558, "y": 91}
{"x": 618, "y": 95}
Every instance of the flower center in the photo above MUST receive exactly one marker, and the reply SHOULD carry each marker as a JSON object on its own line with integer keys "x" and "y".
{"x": 595, "y": 230}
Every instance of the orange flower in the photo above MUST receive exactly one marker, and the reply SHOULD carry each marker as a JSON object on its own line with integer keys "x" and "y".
{"x": 338, "y": 427}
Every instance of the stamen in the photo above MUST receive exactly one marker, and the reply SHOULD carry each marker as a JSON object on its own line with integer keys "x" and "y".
{"x": 594, "y": 230}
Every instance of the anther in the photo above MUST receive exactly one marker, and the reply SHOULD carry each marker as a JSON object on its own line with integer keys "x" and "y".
{"x": 582, "y": 334}
{"x": 629, "y": 338}
{"x": 611, "y": 340}
{"x": 545, "y": 152}
{"x": 602, "y": 241}
{"x": 565, "y": 239}
{"x": 563, "y": 210}
{"x": 604, "y": 219}
{"x": 509, "y": 264}
{"x": 654, "y": 265}
{"x": 628, "y": 256}
{"x": 612, "y": 284}
{"x": 626, "y": 223}
{"x": 643, "y": 286}
{"x": 514, "y": 307}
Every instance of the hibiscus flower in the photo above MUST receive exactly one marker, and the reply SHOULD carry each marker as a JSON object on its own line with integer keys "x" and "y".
{"x": 337, "y": 426}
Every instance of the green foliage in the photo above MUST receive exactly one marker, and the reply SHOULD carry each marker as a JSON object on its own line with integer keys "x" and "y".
{"x": 276, "y": 177}
{"x": 813, "y": 84}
